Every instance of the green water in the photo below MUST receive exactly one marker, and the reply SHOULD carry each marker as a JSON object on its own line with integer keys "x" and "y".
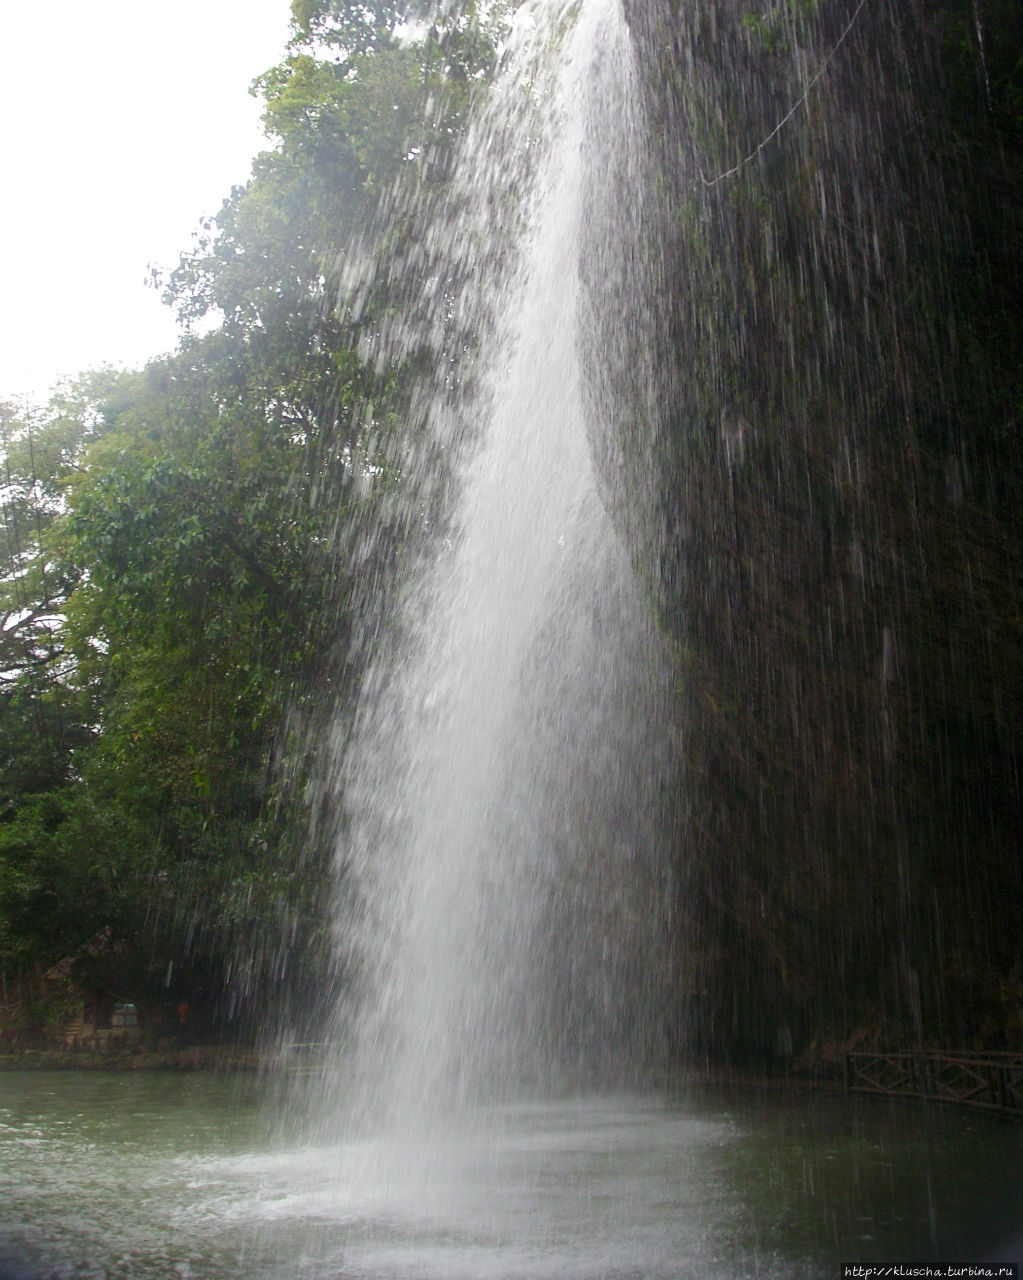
{"x": 154, "y": 1176}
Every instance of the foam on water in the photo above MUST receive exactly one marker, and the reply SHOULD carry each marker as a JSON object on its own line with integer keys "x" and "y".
{"x": 137, "y": 1176}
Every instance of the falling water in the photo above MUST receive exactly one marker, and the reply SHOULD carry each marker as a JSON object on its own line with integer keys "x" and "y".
{"x": 504, "y": 917}
{"x": 502, "y": 793}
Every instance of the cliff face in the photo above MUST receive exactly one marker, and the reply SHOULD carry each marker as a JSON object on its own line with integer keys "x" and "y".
{"x": 822, "y": 489}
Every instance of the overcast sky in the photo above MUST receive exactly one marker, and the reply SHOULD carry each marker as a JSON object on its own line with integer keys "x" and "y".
{"x": 123, "y": 122}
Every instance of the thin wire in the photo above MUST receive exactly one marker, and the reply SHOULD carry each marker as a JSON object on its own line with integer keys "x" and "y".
{"x": 801, "y": 101}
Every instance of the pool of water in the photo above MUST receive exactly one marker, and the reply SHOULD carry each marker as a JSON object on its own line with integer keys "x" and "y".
{"x": 160, "y": 1177}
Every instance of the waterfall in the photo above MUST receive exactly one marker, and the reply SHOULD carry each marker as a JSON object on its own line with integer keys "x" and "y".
{"x": 500, "y": 797}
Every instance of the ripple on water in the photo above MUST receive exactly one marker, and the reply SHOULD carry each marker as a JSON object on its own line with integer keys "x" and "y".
{"x": 589, "y": 1190}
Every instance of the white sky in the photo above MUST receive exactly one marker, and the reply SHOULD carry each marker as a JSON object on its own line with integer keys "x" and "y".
{"x": 122, "y": 122}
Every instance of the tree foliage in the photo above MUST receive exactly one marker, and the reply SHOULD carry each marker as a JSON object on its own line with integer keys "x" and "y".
{"x": 190, "y": 550}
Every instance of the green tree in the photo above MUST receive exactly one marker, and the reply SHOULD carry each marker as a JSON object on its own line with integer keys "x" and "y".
{"x": 199, "y": 554}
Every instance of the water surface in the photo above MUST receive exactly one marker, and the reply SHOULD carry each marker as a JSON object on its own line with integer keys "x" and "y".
{"x": 145, "y": 1176}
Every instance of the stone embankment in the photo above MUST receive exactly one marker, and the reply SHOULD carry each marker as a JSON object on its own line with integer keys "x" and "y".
{"x": 138, "y": 1058}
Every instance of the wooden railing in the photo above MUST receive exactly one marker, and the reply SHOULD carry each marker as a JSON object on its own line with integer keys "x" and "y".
{"x": 993, "y": 1081}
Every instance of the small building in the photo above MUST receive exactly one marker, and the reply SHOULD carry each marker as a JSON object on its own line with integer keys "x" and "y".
{"x": 83, "y": 1017}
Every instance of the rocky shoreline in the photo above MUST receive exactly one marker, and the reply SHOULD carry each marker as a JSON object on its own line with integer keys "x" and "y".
{"x": 184, "y": 1058}
{"x": 235, "y": 1058}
